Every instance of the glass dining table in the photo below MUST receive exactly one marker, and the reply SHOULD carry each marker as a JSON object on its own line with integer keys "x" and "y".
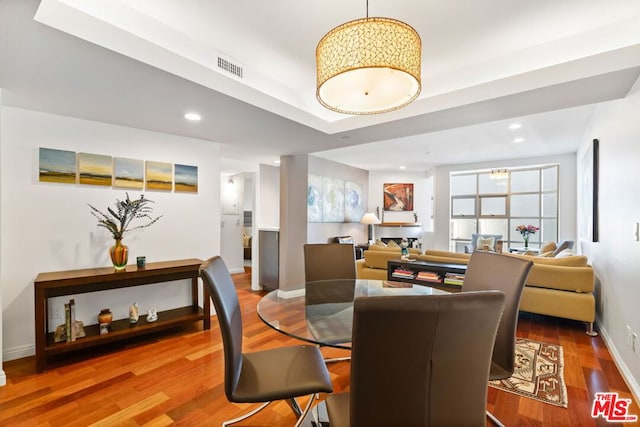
{"x": 323, "y": 314}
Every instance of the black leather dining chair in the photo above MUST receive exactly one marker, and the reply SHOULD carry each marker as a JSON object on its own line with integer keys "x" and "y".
{"x": 263, "y": 376}
{"x": 419, "y": 361}
{"x": 331, "y": 261}
{"x": 508, "y": 274}
{"x": 325, "y": 261}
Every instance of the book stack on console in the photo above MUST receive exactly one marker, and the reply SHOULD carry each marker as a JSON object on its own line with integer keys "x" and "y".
{"x": 429, "y": 276}
{"x": 403, "y": 273}
{"x": 454, "y": 279}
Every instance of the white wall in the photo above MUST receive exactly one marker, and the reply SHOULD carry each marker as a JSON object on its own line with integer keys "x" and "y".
{"x": 3, "y": 378}
{"x": 48, "y": 227}
{"x": 615, "y": 258}
{"x": 266, "y": 213}
{"x": 422, "y": 203}
{"x": 567, "y": 228}
{"x": 232, "y": 192}
{"x": 324, "y": 232}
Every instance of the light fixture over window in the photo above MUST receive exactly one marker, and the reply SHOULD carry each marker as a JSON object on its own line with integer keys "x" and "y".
{"x": 499, "y": 174}
{"x": 368, "y": 66}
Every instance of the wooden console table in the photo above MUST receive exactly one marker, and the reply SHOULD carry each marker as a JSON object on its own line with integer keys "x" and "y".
{"x": 55, "y": 284}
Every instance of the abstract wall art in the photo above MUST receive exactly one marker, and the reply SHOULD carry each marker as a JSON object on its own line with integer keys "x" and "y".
{"x": 398, "y": 197}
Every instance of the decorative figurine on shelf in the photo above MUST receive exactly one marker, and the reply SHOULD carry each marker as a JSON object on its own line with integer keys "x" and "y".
{"x": 134, "y": 313}
{"x": 404, "y": 249}
{"x": 104, "y": 320}
{"x": 152, "y": 315}
{"x": 60, "y": 334}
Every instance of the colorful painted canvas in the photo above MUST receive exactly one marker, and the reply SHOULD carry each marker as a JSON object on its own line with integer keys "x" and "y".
{"x": 185, "y": 178}
{"x": 95, "y": 169}
{"x": 128, "y": 173}
{"x": 333, "y": 200}
{"x": 57, "y": 166}
{"x": 159, "y": 176}
{"x": 398, "y": 197}
{"x": 314, "y": 198}
{"x": 353, "y": 209}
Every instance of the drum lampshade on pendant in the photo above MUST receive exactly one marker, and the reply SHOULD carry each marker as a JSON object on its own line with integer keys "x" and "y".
{"x": 368, "y": 66}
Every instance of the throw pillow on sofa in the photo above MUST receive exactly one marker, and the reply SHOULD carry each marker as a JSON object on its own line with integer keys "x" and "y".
{"x": 392, "y": 244}
{"x": 486, "y": 243}
{"x": 380, "y": 243}
{"x": 548, "y": 254}
{"x": 565, "y": 253}
{"x": 548, "y": 247}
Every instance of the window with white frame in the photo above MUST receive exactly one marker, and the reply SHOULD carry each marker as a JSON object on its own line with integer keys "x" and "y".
{"x": 484, "y": 205}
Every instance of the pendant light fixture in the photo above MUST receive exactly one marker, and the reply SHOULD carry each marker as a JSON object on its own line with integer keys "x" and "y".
{"x": 368, "y": 66}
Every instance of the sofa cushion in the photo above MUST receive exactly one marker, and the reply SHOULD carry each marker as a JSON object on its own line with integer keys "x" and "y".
{"x": 571, "y": 261}
{"x": 564, "y": 278}
{"x": 548, "y": 247}
{"x": 394, "y": 250}
{"x": 378, "y": 259}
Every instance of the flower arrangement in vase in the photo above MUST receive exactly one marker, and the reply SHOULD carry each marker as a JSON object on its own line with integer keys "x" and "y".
{"x": 526, "y": 231}
{"x": 119, "y": 220}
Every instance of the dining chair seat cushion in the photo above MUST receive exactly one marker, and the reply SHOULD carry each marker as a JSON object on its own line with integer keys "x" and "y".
{"x": 281, "y": 373}
{"x": 338, "y": 406}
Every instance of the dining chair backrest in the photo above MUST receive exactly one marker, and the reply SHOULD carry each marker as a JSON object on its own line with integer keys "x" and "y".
{"x": 218, "y": 281}
{"x": 506, "y": 273}
{"x": 325, "y": 261}
{"x": 422, "y": 360}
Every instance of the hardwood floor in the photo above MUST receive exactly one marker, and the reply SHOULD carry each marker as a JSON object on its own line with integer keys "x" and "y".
{"x": 177, "y": 378}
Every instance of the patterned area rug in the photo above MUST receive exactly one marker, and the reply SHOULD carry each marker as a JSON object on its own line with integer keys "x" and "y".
{"x": 539, "y": 373}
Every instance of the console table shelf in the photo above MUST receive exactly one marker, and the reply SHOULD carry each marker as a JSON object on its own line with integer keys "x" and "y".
{"x": 415, "y": 267}
{"x": 54, "y": 284}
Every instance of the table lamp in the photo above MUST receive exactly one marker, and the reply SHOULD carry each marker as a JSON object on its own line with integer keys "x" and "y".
{"x": 370, "y": 219}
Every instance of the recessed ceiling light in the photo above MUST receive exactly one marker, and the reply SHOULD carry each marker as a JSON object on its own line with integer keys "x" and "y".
{"x": 403, "y": 167}
{"x": 518, "y": 139}
{"x": 194, "y": 117}
{"x": 514, "y": 126}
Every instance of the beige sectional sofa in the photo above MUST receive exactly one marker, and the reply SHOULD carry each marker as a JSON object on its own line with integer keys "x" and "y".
{"x": 561, "y": 287}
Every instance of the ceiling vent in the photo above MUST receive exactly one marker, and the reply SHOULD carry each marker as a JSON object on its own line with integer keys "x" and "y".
{"x": 229, "y": 67}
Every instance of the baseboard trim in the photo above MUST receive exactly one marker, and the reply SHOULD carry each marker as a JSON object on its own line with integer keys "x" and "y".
{"x": 622, "y": 367}
{"x": 236, "y": 270}
{"x": 19, "y": 352}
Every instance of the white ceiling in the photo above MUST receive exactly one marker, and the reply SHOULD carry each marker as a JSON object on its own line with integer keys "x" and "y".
{"x": 143, "y": 63}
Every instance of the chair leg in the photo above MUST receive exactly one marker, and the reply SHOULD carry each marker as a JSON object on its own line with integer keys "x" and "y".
{"x": 337, "y": 359}
{"x": 245, "y": 416}
{"x": 306, "y": 410}
{"x": 494, "y": 419}
{"x": 590, "y": 330}
{"x": 293, "y": 404}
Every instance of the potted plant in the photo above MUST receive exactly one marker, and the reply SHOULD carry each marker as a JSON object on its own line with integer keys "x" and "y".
{"x": 119, "y": 221}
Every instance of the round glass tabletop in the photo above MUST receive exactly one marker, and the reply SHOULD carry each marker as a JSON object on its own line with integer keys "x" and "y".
{"x": 322, "y": 312}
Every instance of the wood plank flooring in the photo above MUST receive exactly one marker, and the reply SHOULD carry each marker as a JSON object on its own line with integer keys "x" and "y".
{"x": 177, "y": 378}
